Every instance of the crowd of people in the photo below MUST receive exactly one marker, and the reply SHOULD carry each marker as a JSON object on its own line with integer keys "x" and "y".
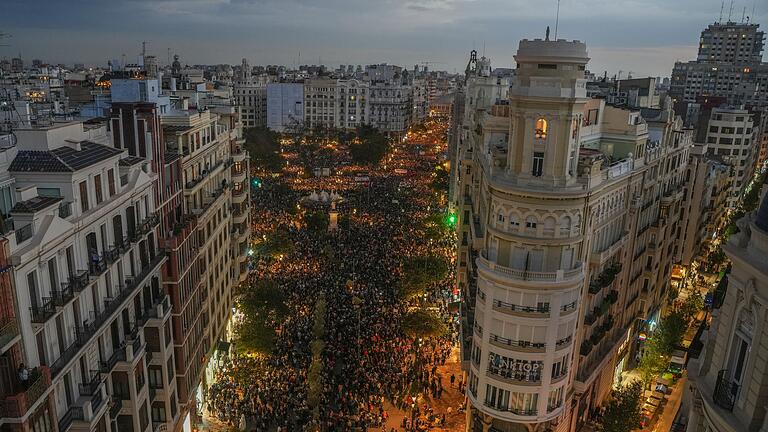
{"x": 368, "y": 362}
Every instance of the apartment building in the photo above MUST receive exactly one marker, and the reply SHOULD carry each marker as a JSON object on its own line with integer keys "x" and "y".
{"x": 285, "y": 105}
{"x": 733, "y": 136}
{"x": 251, "y": 97}
{"x": 87, "y": 270}
{"x": 568, "y": 209}
{"x": 706, "y": 193}
{"x": 729, "y": 64}
{"x": 320, "y": 102}
{"x": 206, "y": 245}
{"x": 729, "y": 379}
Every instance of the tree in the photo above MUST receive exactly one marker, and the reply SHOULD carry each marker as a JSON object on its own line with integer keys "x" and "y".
{"x": 264, "y": 147}
{"x": 316, "y": 221}
{"x": 441, "y": 179}
{"x": 422, "y": 323}
{"x": 692, "y": 305}
{"x": 651, "y": 365}
{"x": 264, "y": 309}
{"x": 669, "y": 334}
{"x": 370, "y": 146}
{"x": 622, "y": 413}
{"x": 419, "y": 273}
{"x": 277, "y": 244}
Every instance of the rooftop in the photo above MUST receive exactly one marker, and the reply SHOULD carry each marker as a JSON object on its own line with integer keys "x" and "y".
{"x": 62, "y": 159}
{"x": 35, "y": 204}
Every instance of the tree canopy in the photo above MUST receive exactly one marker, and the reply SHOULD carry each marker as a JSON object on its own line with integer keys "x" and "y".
{"x": 420, "y": 272}
{"x": 264, "y": 147}
{"x": 370, "y": 147}
{"x": 622, "y": 412}
{"x": 277, "y": 243}
{"x": 422, "y": 323}
{"x": 264, "y": 309}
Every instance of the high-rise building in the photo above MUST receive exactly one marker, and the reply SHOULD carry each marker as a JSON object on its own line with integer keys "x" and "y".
{"x": 729, "y": 379}
{"x": 738, "y": 43}
{"x": 251, "y": 97}
{"x": 729, "y": 64}
{"x": 568, "y": 210}
{"x": 733, "y": 137}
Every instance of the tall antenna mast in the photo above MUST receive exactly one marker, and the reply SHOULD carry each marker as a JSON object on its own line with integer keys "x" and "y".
{"x": 730, "y": 12}
{"x": 743, "y": 13}
{"x": 754, "y": 2}
{"x": 722, "y": 6}
{"x": 557, "y": 18}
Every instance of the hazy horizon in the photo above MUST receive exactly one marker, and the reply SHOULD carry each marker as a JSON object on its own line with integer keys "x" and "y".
{"x": 644, "y": 37}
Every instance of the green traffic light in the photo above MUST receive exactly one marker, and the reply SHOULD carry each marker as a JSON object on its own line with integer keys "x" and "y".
{"x": 452, "y": 219}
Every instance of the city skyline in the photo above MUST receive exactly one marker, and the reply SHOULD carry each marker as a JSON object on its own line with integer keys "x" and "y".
{"x": 645, "y": 42}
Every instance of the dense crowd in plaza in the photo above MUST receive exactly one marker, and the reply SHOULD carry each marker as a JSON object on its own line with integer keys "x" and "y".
{"x": 368, "y": 362}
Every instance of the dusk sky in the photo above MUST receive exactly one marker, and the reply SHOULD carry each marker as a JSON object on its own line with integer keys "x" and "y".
{"x": 642, "y": 36}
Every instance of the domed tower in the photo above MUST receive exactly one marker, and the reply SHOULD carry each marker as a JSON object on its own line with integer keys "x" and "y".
{"x": 530, "y": 272}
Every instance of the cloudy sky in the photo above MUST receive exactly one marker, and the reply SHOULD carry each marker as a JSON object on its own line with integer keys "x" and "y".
{"x": 642, "y": 36}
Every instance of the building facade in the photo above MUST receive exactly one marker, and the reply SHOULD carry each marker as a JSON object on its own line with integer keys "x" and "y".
{"x": 285, "y": 105}
{"x": 567, "y": 213}
{"x": 728, "y": 381}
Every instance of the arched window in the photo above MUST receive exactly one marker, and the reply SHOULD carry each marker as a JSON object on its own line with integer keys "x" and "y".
{"x": 541, "y": 128}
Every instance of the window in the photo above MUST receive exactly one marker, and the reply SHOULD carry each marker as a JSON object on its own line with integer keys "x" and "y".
{"x": 49, "y": 192}
{"x": 158, "y": 413}
{"x": 530, "y": 222}
{"x": 111, "y": 181}
{"x": 541, "y": 128}
{"x": 496, "y": 398}
{"x": 538, "y": 164}
{"x": 99, "y": 194}
{"x": 155, "y": 377}
{"x": 547, "y": 66}
{"x": 84, "y": 196}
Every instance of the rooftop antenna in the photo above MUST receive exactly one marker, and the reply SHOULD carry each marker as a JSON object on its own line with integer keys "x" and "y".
{"x": 743, "y": 13}
{"x": 557, "y": 18}
{"x": 730, "y": 12}
{"x": 144, "y": 48}
{"x": 722, "y": 6}
{"x": 754, "y": 2}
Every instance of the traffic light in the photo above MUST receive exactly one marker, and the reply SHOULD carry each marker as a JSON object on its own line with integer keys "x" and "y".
{"x": 451, "y": 219}
{"x": 256, "y": 182}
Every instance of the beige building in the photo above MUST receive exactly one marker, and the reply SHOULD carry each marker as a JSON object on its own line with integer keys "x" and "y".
{"x": 729, "y": 381}
{"x": 568, "y": 210}
{"x": 706, "y": 195}
{"x": 731, "y": 135}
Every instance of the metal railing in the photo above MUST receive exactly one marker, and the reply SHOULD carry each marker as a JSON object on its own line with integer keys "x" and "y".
{"x": 518, "y": 343}
{"x": 90, "y": 388}
{"x": 117, "y": 356}
{"x": 8, "y": 331}
{"x": 74, "y": 413}
{"x": 42, "y": 313}
{"x": 84, "y": 334}
{"x": 519, "y": 308}
{"x": 725, "y": 392}
{"x": 24, "y": 233}
{"x": 115, "y": 405}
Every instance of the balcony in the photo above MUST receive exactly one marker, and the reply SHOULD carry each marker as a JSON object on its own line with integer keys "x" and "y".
{"x": 534, "y": 276}
{"x": 74, "y": 413}
{"x": 610, "y": 251}
{"x": 24, "y": 233}
{"x": 8, "y": 332}
{"x": 91, "y": 387}
{"x": 605, "y": 278}
{"x": 19, "y": 404}
{"x": 568, "y": 308}
{"x": 41, "y": 314}
{"x": 725, "y": 392}
{"x": 117, "y": 356}
{"x": 63, "y": 296}
{"x": 85, "y": 333}
{"x": 115, "y": 405}
{"x": 529, "y": 311}
{"x": 518, "y": 345}
{"x": 520, "y": 412}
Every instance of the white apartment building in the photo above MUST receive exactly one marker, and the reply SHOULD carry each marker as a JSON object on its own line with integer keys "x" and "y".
{"x": 87, "y": 271}
{"x": 567, "y": 213}
{"x": 729, "y": 379}
{"x": 285, "y": 105}
{"x": 732, "y": 136}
